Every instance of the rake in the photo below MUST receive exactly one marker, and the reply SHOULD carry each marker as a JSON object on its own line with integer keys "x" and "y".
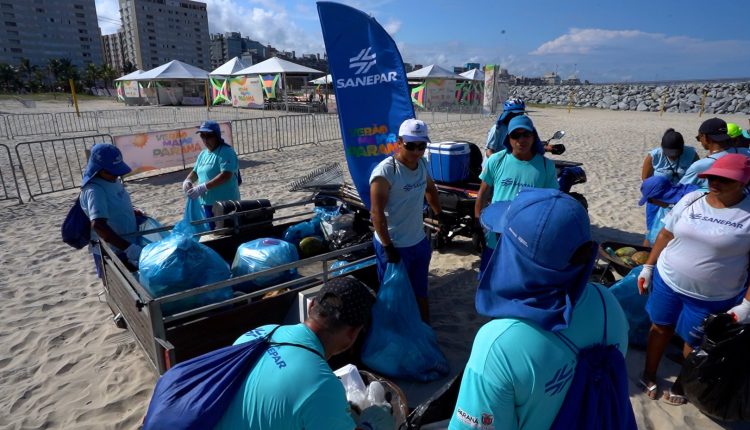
{"x": 328, "y": 177}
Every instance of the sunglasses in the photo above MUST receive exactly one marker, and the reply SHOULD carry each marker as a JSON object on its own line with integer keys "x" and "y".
{"x": 205, "y": 135}
{"x": 415, "y": 146}
{"x": 521, "y": 134}
{"x": 720, "y": 179}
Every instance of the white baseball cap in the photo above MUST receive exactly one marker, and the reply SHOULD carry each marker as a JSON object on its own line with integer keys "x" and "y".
{"x": 413, "y": 130}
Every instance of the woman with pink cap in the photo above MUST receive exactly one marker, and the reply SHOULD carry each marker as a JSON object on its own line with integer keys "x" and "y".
{"x": 698, "y": 265}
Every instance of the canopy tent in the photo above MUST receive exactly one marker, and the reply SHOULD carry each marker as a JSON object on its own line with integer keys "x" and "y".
{"x": 434, "y": 71}
{"x": 322, "y": 80}
{"x": 175, "y": 69}
{"x": 228, "y": 68}
{"x": 180, "y": 73}
{"x": 474, "y": 75}
{"x": 130, "y": 76}
{"x": 274, "y": 66}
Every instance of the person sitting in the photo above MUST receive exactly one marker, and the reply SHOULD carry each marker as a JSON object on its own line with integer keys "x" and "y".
{"x": 216, "y": 171}
{"x": 698, "y": 265}
{"x": 107, "y": 204}
{"x": 714, "y": 138}
{"x": 292, "y": 387}
{"x": 536, "y": 290}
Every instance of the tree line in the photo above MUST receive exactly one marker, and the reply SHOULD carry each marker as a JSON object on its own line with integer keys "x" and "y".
{"x": 54, "y": 76}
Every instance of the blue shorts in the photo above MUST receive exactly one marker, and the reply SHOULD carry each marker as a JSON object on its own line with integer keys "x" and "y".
{"x": 208, "y": 210}
{"x": 667, "y": 307}
{"x": 416, "y": 258}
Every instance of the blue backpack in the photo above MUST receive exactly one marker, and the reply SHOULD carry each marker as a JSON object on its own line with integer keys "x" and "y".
{"x": 76, "y": 229}
{"x": 196, "y": 393}
{"x": 598, "y": 395}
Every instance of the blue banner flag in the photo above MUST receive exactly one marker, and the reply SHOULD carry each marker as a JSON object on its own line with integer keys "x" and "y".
{"x": 372, "y": 94}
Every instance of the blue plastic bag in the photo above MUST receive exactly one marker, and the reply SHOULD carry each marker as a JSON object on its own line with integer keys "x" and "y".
{"x": 338, "y": 263}
{"x": 179, "y": 263}
{"x": 194, "y": 212}
{"x": 399, "y": 344}
{"x": 294, "y": 234}
{"x": 634, "y": 305}
{"x": 263, "y": 254}
{"x": 146, "y": 223}
{"x": 656, "y": 225}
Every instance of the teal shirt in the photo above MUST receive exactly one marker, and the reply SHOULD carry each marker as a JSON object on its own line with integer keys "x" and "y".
{"x": 506, "y": 174}
{"x": 209, "y": 165}
{"x": 518, "y": 374}
{"x": 289, "y": 388}
{"x": 102, "y": 199}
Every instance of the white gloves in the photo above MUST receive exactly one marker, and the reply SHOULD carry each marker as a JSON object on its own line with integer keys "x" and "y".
{"x": 644, "y": 279}
{"x": 741, "y": 312}
{"x": 377, "y": 418}
{"x": 186, "y": 186}
{"x": 133, "y": 252}
{"x": 197, "y": 191}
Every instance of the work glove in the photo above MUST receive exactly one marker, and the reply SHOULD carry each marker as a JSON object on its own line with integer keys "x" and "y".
{"x": 186, "y": 185}
{"x": 197, "y": 191}
{"x": 377, "y": 418}
{"x": 644, "y": 279}
{"x": 741, "y": 312}
{"x": 392, "y": 253}
{"x": 133, "y": 252}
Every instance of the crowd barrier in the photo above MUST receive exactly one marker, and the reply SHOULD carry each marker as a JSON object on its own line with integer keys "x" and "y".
{"x": 4, "y": 132}
{"x": 254, "y": 135}
{"x": 48, "y": 166}
{"x": 8, "y": 177}
{"x": 31, "y": 124}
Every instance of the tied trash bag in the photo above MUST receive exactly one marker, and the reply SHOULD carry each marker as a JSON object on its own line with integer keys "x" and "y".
{"x": 146, "y": 223}
{"x": 634, "y": 305}
{"x": 295, "y": 233}
{"x": 656, "y": 225}
{"x": 194, "y": 212}
{"x": 399, "y": 344}
{"x": 178, "y": 263}
{"x": 716, "y": 376}
{"x": 263, "y": 254}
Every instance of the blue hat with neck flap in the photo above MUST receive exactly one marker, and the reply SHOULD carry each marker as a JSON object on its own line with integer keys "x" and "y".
{"x": 542, "y": 262}
{"x": 525, "y": 123}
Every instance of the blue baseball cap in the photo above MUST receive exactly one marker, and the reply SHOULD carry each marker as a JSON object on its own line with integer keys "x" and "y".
{"x": 524, "y": 122}
{"x": 107, "y": 157}
{"x": 210, "y": 127}
{"x": 659, "y": 188}
{"x": 543, "y": 259}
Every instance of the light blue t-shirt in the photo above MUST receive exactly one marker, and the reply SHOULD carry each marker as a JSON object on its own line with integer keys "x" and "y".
{"x": 495, "y": 137}
{"x": 210, "y": 164}
{"x": 700, "y": 166}
{"x": 518, "y": 373}
{"x": 289, "y": 388}
{"x": 672, "y": 170}
{"x": 108, "y": 200}
{"x": 506, "y": 174}
{"x": 405, "y": 206}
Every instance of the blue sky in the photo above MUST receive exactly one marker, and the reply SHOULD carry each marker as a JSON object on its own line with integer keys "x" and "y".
{"x": 602, "y": 41}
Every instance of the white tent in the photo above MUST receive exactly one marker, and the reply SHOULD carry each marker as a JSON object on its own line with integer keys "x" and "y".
{"x": 275, "y": 65}
{"x": 130, "y": 76}
{"x": 323, "y": 80}
{"x": 230, "y": 67}
{"x": 175, "y": 69}
{"x": 474, "y": 75}
{"x": 434, "y": 72}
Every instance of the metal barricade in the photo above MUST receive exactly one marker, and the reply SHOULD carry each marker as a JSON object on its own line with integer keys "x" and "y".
{"x": 327, "y": 127}
{"x": 54, "y": 165}
{"x": 69, "y": 122}
{"x": 254, "y": 135}
{"x": 8, "y": 177}
{"x": 30, "y": 124}
{"x": 191, "y": 115}
{"x": 118, "y": 118}
{"x": 4, "y": 130}
{"x": 296, "y": 130}
{"x": 156, "y": 116}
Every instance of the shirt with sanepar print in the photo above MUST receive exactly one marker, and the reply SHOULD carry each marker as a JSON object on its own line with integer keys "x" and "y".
{"x": 708, "y": 257}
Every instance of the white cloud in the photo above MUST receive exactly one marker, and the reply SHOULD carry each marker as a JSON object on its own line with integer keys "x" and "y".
{"x": 392, "y": 26}
{"x": 583, "y": 41}
{"x": 108, "y": 14}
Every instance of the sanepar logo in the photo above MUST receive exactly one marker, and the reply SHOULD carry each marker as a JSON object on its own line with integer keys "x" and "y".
{"x": 362, "y": 62}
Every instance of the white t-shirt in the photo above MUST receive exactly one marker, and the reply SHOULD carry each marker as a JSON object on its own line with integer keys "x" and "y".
{"x": 708, "y": 257}
{"x": 405, "y": 206}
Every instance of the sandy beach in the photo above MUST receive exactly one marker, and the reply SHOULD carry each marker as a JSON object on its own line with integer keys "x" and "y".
{"x": 64, "y": 365}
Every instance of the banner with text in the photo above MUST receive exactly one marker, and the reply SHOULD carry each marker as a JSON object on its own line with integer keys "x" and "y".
{"x": 164, "y": 149}
{"x": 372, "y": 93}
{"x": 246, "y": 92}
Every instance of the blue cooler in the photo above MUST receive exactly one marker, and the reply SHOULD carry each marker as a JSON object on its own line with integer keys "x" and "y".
{"x": 448, "y": 161}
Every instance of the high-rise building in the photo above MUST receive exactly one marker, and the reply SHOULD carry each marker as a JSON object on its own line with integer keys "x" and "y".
{"x": 158, "y": 31}
{"x": 113, "y": 46}
{"x": 39, "y": 30}
{"x": 226, "y": 46}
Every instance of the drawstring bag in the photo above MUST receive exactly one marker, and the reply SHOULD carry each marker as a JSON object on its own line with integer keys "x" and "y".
{"x": 179, "y": 263}
{"x": 399, "y": 344}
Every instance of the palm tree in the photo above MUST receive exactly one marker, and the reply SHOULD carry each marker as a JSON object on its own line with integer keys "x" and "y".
{"x": 25, "y": 71}
{"x": 108, "y": 74}
{"x": 91, "y": 74}
{"x": 8, "y": 77}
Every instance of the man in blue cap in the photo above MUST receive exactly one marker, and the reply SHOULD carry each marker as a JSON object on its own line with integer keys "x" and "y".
{"x": 520, "y": 164}
{"x": 215, "y": 175}
{"x": 536, "y": 288}
{"x": 107, "y": 204}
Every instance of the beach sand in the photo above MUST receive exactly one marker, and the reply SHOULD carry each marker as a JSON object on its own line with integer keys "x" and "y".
{"x": 64, "y": 365}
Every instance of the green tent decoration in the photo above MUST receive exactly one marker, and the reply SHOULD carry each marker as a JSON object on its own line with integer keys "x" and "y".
{"x": 219, "y": 91}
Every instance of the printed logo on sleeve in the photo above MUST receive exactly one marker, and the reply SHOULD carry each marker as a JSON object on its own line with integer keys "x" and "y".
{"x": 482, "y": 423}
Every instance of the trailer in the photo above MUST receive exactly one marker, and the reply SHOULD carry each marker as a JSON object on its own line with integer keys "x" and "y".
{"x": 170, "y": 339}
